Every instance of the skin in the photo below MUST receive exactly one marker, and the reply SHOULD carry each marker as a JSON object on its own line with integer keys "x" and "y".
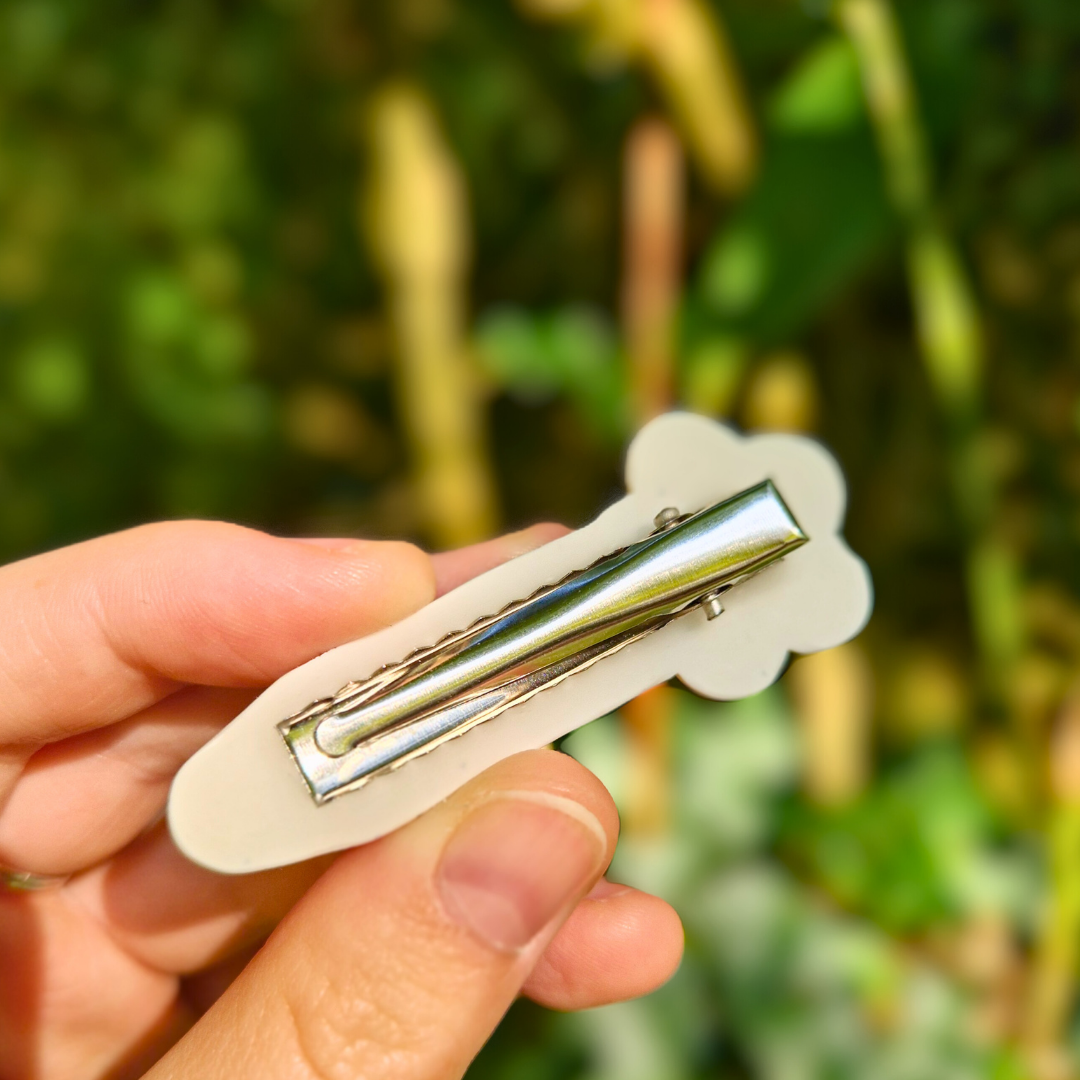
{"x": 121, "y": 656}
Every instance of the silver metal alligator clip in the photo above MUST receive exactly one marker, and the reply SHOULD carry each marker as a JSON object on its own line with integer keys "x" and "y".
{"x": 437, "y": 693}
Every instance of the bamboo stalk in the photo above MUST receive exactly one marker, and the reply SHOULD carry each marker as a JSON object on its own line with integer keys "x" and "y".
{"x": 953, "y": 353}
{"x": 653, "y": 200}
{"x": 652, "y": 277}
{"x": 684, "y": 48}
{"x": 946, "y": 314}
{"x": 1052, "y": 989}
{"x": 833, "y": 696}
{"x": 947, "y": 328}
{"x": 416, "y": 218}
{"x": 648, "y": 723}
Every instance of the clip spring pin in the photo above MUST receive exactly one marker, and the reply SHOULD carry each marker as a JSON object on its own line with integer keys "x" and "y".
{"x": 440, "y": 692}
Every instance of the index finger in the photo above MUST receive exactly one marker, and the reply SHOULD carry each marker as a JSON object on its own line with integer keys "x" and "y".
{"x": 97, "y": 631}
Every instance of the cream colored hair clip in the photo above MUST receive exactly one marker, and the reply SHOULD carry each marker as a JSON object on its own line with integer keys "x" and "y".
{"x": 724, "y": 557}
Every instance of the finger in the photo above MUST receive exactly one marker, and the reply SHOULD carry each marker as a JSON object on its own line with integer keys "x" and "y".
{"x": 80, "y": 800}
{"x": 177, "y": 917}
{"x": 71, "y": 1003}
{"x": 174, "y": 916}
{"x": 56, "y": 945}
{"x": 619, "y": 943}
{"x": 400, "y": 961}
{"x": 199, "y": 991}
{"x": 102, "y": 629}
{"x": 13, "y": 760}
{"x": 453, "y": 568}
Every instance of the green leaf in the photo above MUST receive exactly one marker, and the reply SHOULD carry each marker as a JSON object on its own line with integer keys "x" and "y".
{"x": 823, "y": 94}
{"x": 816, "y": 216}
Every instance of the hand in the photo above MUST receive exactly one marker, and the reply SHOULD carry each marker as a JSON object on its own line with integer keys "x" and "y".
{"x": 120, "y": 657}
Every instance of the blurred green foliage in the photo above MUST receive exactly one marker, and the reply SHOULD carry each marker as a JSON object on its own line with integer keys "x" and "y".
{"x": 191, "y": 324}
{"x": 778, "y": 982}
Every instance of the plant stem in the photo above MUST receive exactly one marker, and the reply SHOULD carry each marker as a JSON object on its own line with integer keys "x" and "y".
{"x": 417, "y": 222}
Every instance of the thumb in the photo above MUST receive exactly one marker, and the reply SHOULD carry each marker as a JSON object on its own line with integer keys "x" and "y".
{"x": 404, "y": 956}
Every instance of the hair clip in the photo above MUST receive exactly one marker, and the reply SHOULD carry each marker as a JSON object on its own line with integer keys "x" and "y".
{"x": 714, "y": 524}
{"x": 439, "y": 693}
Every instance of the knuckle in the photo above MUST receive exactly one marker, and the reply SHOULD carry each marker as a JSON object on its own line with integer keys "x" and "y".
{"x": 343, "y": 1027}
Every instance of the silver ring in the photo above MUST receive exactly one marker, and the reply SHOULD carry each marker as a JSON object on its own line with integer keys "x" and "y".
{"x": 23, "y": 881}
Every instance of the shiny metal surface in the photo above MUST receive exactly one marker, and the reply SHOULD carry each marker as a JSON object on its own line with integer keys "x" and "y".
{"x": 712, "y": 606}
{"x": 668, "y": 516}
{"x": 442, "y": 691}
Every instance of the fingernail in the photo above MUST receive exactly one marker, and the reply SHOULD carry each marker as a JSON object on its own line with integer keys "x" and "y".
{"x": 607, "y": 890}
{"x": 514, "y": 863}
{"x": 526, "y": 540}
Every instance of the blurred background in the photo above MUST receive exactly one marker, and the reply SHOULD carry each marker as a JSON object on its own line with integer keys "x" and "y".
{"x": 420, "y": 268}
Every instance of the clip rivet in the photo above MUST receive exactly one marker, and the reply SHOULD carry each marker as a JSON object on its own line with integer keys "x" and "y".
{"x": 712, "y": 606}
{"x": 666, "y": 518}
